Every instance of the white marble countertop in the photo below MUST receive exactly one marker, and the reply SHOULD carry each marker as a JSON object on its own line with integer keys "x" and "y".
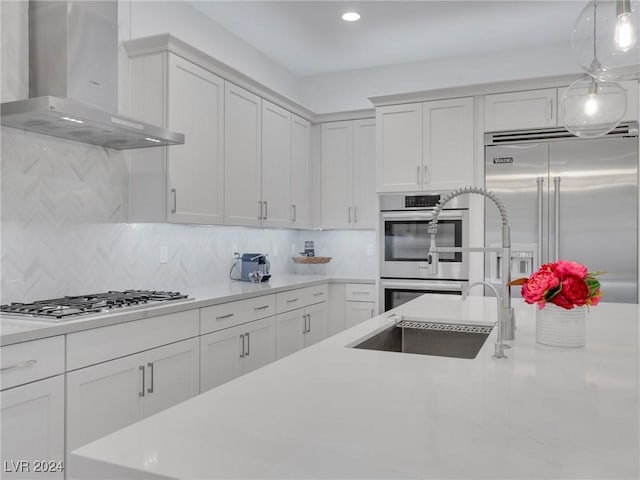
{"x": 16, "y": 329}
{"x": 330, "y": 411}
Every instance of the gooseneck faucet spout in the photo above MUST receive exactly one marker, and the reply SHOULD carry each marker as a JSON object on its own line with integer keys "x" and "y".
{"x": 499, "y": 347}
{"x": 505, "y": 315}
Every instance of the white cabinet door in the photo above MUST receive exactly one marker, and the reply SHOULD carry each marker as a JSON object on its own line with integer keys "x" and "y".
{"x": 300, "y": 172}
{"x": 195, "y": 108}
{"x": 276, "y": 165}
{"x": 316, "y": 323}
{"x": 337, "y": 148}
{"x": 365, "y": 201}
{"x": 104, "y": 398}
{"x": 221, "y": 355}
{"x": 516, "y": 110}
{"x": 172, "y": 376}
{"x": 358, "y": 312}
{"x": 448, "y": 144}
{"x": 289, "y": 332}
{"x": 259, "y": 337}
{"x": 399, "y": 148}
{"x": 242, "y": 158}
{"x": 32, "y": 424}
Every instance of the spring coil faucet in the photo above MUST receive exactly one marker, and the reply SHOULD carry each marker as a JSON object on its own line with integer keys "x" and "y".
{"x": 505, "y": 314}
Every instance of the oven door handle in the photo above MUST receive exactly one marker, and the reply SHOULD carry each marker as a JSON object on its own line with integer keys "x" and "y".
{"x": 448, "y": 286}
{"x": 421, "y": 216}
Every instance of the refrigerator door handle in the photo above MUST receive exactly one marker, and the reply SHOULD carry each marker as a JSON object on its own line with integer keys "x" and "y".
{"x": 540, "y": 184}
{"x": 556, "y": 218}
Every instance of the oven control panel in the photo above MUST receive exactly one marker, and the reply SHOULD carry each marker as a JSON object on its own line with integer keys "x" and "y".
{"x": 421, "y": 201}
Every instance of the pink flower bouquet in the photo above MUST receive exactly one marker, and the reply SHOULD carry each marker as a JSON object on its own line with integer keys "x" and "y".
{"x": 564, "y": 283}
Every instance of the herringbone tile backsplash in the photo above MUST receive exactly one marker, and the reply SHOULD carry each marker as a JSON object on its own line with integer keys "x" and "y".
{"x": 64, "y": 231}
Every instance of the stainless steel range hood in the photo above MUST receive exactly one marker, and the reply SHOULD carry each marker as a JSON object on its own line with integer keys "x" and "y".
{"x": 73, "y": 63}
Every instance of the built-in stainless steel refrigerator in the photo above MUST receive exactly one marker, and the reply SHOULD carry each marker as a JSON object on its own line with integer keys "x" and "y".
{"x": 567, "y": 198}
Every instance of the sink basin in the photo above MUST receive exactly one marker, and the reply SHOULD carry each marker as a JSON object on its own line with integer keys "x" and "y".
{"x": 429, "y": 338}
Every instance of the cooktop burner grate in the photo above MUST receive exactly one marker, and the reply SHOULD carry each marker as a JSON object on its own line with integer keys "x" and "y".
{"x": 65, "y": 307}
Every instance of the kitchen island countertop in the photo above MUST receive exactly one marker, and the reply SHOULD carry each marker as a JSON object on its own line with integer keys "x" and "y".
{"x": 330, "y": 411}
{"x": 16, "y": 329}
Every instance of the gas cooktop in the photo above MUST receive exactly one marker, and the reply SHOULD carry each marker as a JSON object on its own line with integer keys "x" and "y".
{"x": 67, "y": 308}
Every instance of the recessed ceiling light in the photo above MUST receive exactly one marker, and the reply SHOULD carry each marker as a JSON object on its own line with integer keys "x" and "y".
{"x": 351, "y": 16}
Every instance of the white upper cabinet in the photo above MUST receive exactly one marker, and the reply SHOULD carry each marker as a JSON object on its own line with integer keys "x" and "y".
{"x": 425, "y": 146}
{"x": 365, "y": 200}
{"x": 276, "y": 166}
{"x": 300, "y": 172}
{"x": 633, "y": 104}
{"x": 242, "y": 157}
{"x": 180, "y": 183}
{"x": 336, "y": 146}
{"x": 448, "y": 143}
{"x": 195, "y": 178}
{"x": 399, "y": 148}
{"x": 348, "y": 183}
{"x": 520, "y": 110}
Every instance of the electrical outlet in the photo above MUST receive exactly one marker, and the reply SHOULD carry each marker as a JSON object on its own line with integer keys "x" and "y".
{"x": 274, "y": 250}
{"x": 370, "y": 251}
{"x": 164, "y": 254}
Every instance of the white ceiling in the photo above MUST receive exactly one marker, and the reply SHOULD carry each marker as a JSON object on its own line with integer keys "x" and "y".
{"x": 310, "y": 38}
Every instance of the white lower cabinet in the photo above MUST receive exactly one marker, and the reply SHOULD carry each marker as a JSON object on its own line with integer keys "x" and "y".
{"x": 32, "y": 422}
{"x": 358, "y": 312}
{"x": 106, "y": 397}
{"x": 229, "y": 353}
{"x": 300, "y": 328}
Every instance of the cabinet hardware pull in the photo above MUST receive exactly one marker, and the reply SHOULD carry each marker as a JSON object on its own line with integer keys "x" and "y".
{"x": 261, "y": 308}
{"x": 248, "y": 344}
{"x": 550, "y": 109}
{"x": 294, "y": 213}
{"x": 24, "y": 364}
{"x": 150, "y": 389}
{"x": 266, "y": 210}
{"x": 242, "y": 349}
{"x": 349, "y": 215}
{"x": 228, "y": 315}
{"x": 372, "y": 315}
{"x": 293, "y": 300}
{"x": 260, "y": 207}
{"x": 318, "y": 294}
{"x": 309, "y": 323}
{"x": 141, "y": 392}
{"x": 355, "y": 214}
{"x": 175, "y": 200}
{"x": 359, "y": 293}
{"x": 418, "y": 174}
{"x": 304, "y": 323}
{"x": 425, "y": 177}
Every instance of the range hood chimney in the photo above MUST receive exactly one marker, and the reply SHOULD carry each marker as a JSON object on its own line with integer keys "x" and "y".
{"x": 73, "y": 79}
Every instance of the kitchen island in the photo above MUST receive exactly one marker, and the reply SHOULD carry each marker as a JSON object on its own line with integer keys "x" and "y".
{"x": 331, "y": 411}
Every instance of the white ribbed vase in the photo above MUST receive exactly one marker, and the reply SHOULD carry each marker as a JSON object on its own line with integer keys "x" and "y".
{"x": 559, "y": 327}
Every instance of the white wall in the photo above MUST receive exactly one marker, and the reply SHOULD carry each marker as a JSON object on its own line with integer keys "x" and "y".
{"x": 15, "y": 50}
{"x": 350, "y": 90}
{"x": 187, "y": 24}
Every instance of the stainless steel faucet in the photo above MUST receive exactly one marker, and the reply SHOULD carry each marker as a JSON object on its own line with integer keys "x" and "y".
{"x": 499, "y": 346}
{"x": 506, "y": 328}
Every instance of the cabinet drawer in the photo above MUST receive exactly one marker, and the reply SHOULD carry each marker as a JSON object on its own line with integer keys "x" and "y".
{"x": 106, "y": 343}
{"x": 29, "y": 361}
{"x": 360, "y": 292}
{"x": 227, "y": 315}
{"x": 291, "y": 300}
{"x": 317, "y": 294}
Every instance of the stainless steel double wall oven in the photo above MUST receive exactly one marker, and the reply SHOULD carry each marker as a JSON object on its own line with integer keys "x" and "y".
{"x": 405, "y": 272}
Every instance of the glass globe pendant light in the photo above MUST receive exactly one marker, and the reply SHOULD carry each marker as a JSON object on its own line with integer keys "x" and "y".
{"x": 611, "y": 27}
{"x": 592, "y": 108}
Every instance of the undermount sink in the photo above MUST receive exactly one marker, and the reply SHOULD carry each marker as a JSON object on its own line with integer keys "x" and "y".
{"x": 429, "y": 338}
